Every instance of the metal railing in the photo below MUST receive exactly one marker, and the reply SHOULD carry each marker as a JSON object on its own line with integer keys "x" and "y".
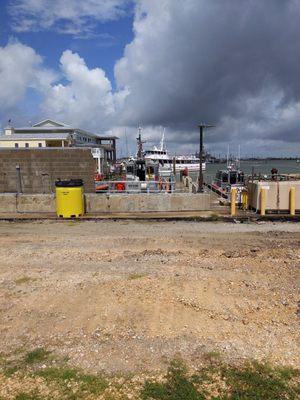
{"x": 274, "y": 177}
{"x": 134, "y": 187}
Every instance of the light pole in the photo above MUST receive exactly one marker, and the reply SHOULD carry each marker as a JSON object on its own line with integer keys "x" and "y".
{"x": 200, "y": 177}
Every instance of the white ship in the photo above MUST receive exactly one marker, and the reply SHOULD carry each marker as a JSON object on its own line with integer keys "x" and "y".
{"x": 165, "y": 160}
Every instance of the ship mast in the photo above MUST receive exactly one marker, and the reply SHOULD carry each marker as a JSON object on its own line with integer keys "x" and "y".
{"x": 227, "y": 155}
{"x": 162, "y": 140}
{"x": 140, "y": 151}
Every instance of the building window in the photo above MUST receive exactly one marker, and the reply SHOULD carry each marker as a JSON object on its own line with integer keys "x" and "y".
{"x": 16, "y": 145}
{"x": 27, "y": 145}
{"x": 40, "y": 144}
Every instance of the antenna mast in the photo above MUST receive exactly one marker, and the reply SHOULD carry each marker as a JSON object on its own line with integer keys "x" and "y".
{"x": 227, "y": 155}
{"x": 140, "y": 144}
{"x": 162, "y": 140}
{"x": 126, "y": 143}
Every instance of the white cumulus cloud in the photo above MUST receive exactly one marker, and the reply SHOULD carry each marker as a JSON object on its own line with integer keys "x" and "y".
{"x": 226, "y": 62}
{"x": 21, "y": 68}
{"x": 66, "y": 16}
{"x": 86, "y": 99}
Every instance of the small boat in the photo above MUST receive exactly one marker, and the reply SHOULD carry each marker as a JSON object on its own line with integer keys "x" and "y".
{"x": 166, "y": 161}
{"x": 228, "y": 178}
{"x": 141, "y": 170}
{"x": 231, "y": 177}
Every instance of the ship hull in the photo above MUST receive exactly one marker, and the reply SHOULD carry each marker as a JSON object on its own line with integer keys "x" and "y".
{"x": 182, "y": 167}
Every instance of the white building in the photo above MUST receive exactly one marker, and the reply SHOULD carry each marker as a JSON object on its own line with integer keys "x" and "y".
{"x": 50, "y": 133}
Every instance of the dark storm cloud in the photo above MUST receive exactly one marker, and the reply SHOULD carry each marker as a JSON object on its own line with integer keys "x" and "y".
{"x": 231, "y": 62}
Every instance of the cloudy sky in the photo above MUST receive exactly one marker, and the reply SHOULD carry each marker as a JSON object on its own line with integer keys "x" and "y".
{"x": 111, "y": 65}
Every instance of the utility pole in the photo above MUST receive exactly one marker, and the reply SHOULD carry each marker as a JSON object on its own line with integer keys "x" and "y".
{"x": 200, "y": 177}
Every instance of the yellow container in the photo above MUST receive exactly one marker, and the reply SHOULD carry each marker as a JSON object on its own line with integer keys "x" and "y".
{"x": 69, "y": 201}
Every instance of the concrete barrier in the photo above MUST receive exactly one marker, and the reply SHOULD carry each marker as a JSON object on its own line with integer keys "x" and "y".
{"x": 14, "y": 203}
{"x": 42, "y": 203}
{"x": 8, "y": 203}
{"x": 112, "y": 203}
{"x": 115, "y": 203}
{"x": 276, "y": 195}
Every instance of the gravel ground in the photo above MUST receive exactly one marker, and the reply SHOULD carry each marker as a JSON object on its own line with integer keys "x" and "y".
{"x": 127, "y": 296}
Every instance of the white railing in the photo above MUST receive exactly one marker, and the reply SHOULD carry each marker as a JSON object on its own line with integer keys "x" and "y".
{"x": 128, "y": 187}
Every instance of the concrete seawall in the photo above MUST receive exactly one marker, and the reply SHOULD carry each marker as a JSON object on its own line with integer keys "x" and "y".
{"x": 111, "y": 203}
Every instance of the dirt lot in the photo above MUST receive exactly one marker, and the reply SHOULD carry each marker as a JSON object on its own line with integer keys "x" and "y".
{"x": 127, "y": 296}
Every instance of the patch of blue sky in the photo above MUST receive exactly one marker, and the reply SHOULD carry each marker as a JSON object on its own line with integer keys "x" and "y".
{"x": 99, "y": 44}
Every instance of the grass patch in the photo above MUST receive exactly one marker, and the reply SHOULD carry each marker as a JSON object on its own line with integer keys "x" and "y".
{"x": 28, "y": 396}
{"x": 85, "y": 383}
{"x": 22, "y": 280}
{"x": 261, "y": 381}
{"x": 177, "y": 386}
{"x": 10, "y": 370}
{"x": 132, "y": 277}
{"x": 36, "y": 356}
{"x": 58, "y": 374}
{"x": 92, "y": 384}
{"x": 216, "y": 380}
{"x": 252, "y": 381}
{"x": 10, "y": 367}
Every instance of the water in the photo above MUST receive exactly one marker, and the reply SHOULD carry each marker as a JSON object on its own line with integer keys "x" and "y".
{"x": 260, "y": 167}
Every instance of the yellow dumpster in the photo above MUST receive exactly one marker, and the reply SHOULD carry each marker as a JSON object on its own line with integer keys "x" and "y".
{"x": 69, "y": 198}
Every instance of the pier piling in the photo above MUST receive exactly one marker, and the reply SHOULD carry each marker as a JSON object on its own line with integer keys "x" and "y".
{"x": 263, "y": 200}
{"x": 233, "y": 202}
{"x": 292, "y": 200}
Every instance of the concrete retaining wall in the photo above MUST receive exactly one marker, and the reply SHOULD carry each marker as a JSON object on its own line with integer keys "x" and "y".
{"x": 8, "y": 203}
{"x": 146, "y": 202}
{"x": 114, "y": 203}
{"x": 39, "y": 203}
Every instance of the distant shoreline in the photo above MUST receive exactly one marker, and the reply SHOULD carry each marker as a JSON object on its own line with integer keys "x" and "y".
{"x": 258, "y": 159}
{"x": 271, "y": 158}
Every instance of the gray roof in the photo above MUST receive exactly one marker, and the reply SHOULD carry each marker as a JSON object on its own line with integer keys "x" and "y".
{"x": 53, "y": 129}
{"x": 43, "y": 128}
{"x": 31, "y": 131}
{"x": 35, "y": 136}
{"x": 51, "y": 126}
{"x": 51, "y": 121}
